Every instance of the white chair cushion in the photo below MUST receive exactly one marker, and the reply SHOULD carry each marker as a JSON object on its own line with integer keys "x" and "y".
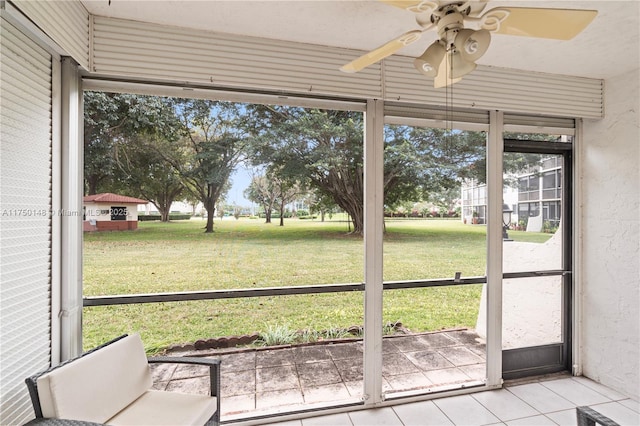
{"x": 161, "y": 408}
{"x": 99, "y": 385}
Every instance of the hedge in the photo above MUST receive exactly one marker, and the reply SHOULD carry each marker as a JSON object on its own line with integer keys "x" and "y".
{"x": 151, "y": 217}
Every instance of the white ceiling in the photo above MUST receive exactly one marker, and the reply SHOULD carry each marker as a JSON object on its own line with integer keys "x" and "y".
{"x": 608, "y": 47}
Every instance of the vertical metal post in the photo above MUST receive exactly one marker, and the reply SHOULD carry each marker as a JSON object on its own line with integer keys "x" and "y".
{"x": 71, "y": 211}
{"x": 56, "y": 197}
{"x": 494, "y": 249}
{"x": 576, "y": 252}
{"x": 373, "y": 233}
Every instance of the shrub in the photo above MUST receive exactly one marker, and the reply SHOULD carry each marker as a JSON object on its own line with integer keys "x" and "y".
{"x": 152, "y": 217}
{"x": 277, "y": 335}
{"x": 549, "y": 227}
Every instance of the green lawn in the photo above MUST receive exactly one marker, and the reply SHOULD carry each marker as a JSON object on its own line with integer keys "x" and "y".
{"x": 179, "y": 256}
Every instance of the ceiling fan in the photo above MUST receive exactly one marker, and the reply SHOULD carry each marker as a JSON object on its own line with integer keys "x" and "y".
{"x": 458, "y": 48}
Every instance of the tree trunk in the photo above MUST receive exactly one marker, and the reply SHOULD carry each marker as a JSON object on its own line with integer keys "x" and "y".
{"x": 267, "y": 213}
{"x": 282, "y": 214}
{"x": 209, "y": 227}
{"x": 211, "y": 210}
{"x": 92, "y": 184}
{"x": 356, "y": 212}
{"x": 163, "y": 208}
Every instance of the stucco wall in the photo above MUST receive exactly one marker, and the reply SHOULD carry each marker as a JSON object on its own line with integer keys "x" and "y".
{"x": 610, "y": 215}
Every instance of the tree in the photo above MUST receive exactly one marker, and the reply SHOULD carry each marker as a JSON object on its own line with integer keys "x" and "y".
{"x": 516, "y": 162}
{"x": 190, "y": 199}
{"x": 321, "y": 203}
{"x": 213, "y": 144}
{"x": 273, "y": 190}
{"x": 421, "y": 161}
{"x": 100, "y": 120}
{"x": 324, "y": 149}
{"x": 147, "y": 172}
{"x": 262, "y": 192}
{"x": 286, "y": 191}
{"x": 113, "y": 121}
{"x": 446, "y": 200}
{"x": 320, "y": 149}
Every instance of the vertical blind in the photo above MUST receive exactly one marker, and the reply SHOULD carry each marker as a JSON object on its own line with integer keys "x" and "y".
{"x": 25, "y": 222}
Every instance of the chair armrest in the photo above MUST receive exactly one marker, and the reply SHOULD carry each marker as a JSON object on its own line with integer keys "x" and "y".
{"x": 590, "y": 417}
{"x": 184, "y": 360}
{"x": 213, "y": 364}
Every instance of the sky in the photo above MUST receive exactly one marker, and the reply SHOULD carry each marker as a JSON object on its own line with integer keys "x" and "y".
{"x": 241, "y": 178}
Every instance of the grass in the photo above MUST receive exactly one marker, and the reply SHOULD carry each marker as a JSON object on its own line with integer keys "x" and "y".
{"x": 178, "y": 256}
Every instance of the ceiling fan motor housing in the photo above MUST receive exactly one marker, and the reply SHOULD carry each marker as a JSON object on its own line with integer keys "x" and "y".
{"x": 450, "y": 22}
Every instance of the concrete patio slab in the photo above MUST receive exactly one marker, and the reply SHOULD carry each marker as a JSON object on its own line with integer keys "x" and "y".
{"x": 397, "y": 363}
{"x": 427, "y": 361}
{"x": 290, "y": 377}
{"x": 318, "y": 373}
{"x": 277, "y": 378}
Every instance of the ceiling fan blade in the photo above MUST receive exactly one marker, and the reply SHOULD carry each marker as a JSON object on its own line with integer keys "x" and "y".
{"x": 382, "y": 52}
{"x": 559, "y": 24}
{"x": 415, "y": 6}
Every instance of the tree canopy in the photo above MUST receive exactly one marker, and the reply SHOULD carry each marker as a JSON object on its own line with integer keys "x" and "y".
{"x": 123, "y": 135}
{"x": 324, "y": 149}
{"x": 163, "y": 148}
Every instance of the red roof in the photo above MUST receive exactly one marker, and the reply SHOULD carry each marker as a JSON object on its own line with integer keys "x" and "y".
{"x": 108, "y": 197}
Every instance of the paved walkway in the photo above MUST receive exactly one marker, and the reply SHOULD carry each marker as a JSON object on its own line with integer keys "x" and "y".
{"x": 259, "y": 380}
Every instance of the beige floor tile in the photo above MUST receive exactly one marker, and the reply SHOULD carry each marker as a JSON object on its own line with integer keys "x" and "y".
{"x": 230, "y": 405}
{"x": 279, "y": 398}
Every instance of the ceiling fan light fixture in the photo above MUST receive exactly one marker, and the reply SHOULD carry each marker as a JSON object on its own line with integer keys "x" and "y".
{"x": 458, "y": 66}
{"x": 429, "y": 62}
{"x": 472, "y": 44}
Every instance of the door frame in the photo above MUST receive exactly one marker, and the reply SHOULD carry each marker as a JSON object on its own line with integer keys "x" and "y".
{"x": 556, "y": 357}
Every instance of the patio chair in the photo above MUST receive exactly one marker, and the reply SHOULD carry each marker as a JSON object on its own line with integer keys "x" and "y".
{"x": 111, "y": 384}
{"x": 589, "y": 417}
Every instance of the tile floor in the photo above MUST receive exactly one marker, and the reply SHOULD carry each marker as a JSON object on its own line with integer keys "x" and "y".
{"x": 543, "y": 402}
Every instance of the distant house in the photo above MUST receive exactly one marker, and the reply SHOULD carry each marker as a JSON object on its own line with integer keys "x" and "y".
{"x": 110, "y": 212}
